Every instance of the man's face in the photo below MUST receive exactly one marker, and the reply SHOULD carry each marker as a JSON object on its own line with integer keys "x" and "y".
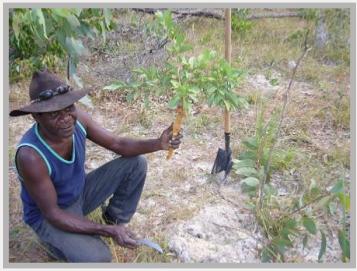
{"x": 59, "y": 123}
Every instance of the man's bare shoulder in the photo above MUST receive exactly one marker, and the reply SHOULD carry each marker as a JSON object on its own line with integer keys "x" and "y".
{"x": 27, "y": 158}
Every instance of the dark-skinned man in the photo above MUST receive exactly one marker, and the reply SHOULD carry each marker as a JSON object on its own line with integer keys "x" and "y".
{"x": 56, "y": 192}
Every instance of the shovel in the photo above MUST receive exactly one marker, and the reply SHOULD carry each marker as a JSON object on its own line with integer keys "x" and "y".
{"x": 223, "y": 161}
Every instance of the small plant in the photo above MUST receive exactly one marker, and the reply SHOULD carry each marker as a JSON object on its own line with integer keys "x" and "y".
{"x": 283, "y": 226}
{"x": 186, "y": 79}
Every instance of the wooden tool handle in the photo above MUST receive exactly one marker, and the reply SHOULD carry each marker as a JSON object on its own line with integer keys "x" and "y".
{"x": 180, "y": 115}
{"x": 227, "y": 121}
{"x": 228, "y": 36}
{"x": 228, "y": 57}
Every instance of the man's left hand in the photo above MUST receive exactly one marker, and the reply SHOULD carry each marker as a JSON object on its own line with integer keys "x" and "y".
{"x": 167, "y": 140}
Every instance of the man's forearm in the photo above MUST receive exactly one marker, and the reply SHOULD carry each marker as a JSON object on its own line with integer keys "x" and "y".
{"x": 76, "y": 224}
{"x": 132, "y": 147}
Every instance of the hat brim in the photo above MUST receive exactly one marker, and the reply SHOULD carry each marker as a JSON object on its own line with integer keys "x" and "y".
{"x": 55, "y": 103}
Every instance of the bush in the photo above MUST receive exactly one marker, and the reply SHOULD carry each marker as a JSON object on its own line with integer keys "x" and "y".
{"x": 43, "y": 37}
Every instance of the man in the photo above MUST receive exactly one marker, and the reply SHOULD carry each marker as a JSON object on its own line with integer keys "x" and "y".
{"x": 57, "y": 193}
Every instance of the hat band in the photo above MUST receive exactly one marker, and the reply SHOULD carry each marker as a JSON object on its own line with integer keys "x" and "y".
{"x": 49, "y": 93}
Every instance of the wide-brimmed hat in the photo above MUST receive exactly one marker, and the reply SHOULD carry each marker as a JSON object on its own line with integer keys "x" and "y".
{"x": 48, "y": 93}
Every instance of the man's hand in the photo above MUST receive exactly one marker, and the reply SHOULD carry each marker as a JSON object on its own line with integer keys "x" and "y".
{"x": 167, "y": 140}
{"x": 123, "y": 236}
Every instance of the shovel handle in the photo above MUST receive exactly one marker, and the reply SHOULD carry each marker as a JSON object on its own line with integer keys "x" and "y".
{"x": 227, "y": 121}
{"x": 176, "y": 128}
{"x": 228, "y": 35}
{"x": 228, "y": 57}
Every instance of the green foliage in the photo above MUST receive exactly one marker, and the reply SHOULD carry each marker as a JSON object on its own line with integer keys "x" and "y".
{"x": 338, "y": 26}
{"x": 345, "y": 245}
{"x": 341, "y": 110}
{"x": 319, "y": 201}
{"x": 281, "y": 234}
{"x": 310, "y": 14}
{"x": 240, "y": 24}
{"x": 323, "y": 246}
{"x": 337, "y": 23}
{"x": 283, "y": 223}
{"x": 221, "y": 84}
{"x": 44, "y": 37}
{"x": 256, "y": 148}
{"x": 309, "y": 224}
{"x": 185, "y": 79}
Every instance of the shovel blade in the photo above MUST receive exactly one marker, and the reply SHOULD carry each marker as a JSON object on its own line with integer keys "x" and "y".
{"x": 223, "y": 162}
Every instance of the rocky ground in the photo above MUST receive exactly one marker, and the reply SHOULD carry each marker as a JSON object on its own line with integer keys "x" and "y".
{"x": 193, "y": 216}
{"x": 200, "y": 219}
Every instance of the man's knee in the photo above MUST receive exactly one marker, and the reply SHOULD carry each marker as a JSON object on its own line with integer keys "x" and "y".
{"x": 138, "y": 162}
{"x": 95, "y": 252}
{"x": 101, "y": 256}
{"x": 142, "y": 163}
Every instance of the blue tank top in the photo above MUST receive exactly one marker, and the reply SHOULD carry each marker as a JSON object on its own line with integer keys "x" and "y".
{"x": 68, "y": 176}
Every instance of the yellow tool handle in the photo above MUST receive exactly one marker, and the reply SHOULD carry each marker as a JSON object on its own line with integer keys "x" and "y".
{"x": 176, "y": 128}
{"x": 228, "y": 36}
{"x": 227, "y": 121}
{"x": 228, "y": 57}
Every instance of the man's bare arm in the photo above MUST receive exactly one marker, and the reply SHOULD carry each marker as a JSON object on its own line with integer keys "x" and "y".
{"x": 39, "y": 185}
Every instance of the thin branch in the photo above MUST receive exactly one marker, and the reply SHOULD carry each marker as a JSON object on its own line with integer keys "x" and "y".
{"x": 303, "y": 207}
{"x": 282, "y": 115}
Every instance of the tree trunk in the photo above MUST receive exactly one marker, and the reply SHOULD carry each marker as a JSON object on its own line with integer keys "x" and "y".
{"x": 321, "y": 34}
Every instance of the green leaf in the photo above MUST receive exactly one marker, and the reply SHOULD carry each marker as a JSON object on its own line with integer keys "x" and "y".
{"x": 251, "y": 181}
{"x": 267, "y": 254}
{"x": 304, "y": 241}
{"x": 16, "y": 27}
{"x": 309, "y": 225}
{"x": 103, "y": 31}
{"x": 174, "y": 102}
{"x": 107, "y": 17}
{"x": 323, "y": 245}
{"x": 73, "y": 21}
{"x": 248, "y": 155}
{"x": 291, "y": 224}
{"x": 77, "y": 11}
{"x": 312, "y": 184}
{"x": 37, "y": 12}
{"x": 77, "y": 80}
{"x": 75, "y": 46}
{"x": 251, "y": 143}
{"x": 344, "y": 200}
{"x": 243, "y": 163}
{"x": 344, "y": 244}
{"x": 133, "y": 85}
{"x": 332, "y": 207}
{"x": 175, "y": 83}
{"x": 274, "y": 82}
{"x": 322, "y": 203}
{"x": 62, "y": 12}
{"x": 115, "y": 86}
{"x": 247, "y": 171}
{"x": 338, "y": 187}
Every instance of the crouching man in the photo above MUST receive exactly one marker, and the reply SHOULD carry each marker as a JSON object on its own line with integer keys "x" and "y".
{"x": 56, "y": 192}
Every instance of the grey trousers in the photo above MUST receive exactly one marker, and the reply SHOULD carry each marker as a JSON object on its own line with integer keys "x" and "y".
{"x": 123, "y": 178}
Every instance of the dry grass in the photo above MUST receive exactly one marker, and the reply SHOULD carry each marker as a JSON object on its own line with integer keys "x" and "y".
{"x": 316, "y": 129}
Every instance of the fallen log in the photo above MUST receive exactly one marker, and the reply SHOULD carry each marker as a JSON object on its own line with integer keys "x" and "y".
{"x": 208, "y": 14}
